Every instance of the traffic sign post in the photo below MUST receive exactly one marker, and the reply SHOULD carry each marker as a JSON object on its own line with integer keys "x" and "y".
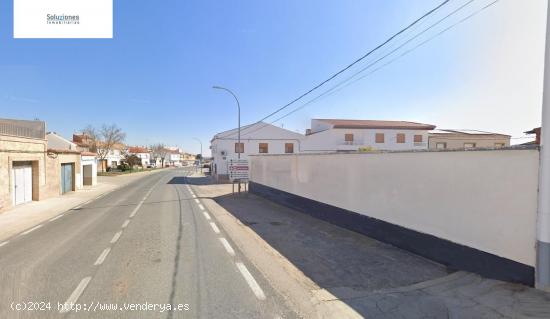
{"x": 238, "y": 172}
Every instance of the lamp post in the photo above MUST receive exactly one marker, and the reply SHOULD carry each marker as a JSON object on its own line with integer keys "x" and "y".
{"x": 200, "y": 160}
{"x": 239, "y": 116}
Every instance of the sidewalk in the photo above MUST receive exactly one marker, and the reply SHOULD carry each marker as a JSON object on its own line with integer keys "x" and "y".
{"x": 26, "y": 216}
{"x": 360, "y": 276}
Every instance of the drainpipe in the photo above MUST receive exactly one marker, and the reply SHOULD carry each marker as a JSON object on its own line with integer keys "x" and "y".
{"x": 542, "y": 272}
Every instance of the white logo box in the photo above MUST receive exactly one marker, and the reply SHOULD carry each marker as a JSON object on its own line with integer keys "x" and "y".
{"x": 94, "y": 17}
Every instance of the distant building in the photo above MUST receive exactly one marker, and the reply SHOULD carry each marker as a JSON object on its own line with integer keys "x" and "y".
{"x": 466, "y": 139}
{"x": 143, "y": 153}
{"x": 337, "y": 135}
{"x": 113, "y": 158}
{"x": 259, "y": 138}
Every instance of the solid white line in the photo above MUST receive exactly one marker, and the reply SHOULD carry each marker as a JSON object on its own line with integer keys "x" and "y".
{"x": 251, "y": 281}
{"x": 3, "y": 243}
{"x": 56, "y": 217}
{"x": 126, "y": 222}
{"x": 215, "y": 228}
{"x": 197, "y": 201}
{"x": 116, "y": 237}
{"x": 206, "y": 215}
{"x": 227, "y": 246}
{"x": 102, "y": 257}
{"x": 201, "y": 207}
{"x": 75, "y": 295}
{"x": 32, "y": 229}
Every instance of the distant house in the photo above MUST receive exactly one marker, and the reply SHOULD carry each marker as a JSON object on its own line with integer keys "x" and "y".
{"x": 87, "y": 174}
{"x": 259, "y": 138}
{"x": 535, "y": 131}
{"x": 337, "y": 135}
{"x": 466, "y": 139}
{"x": 112, "y": 158}
{"x": 143, "y": 153}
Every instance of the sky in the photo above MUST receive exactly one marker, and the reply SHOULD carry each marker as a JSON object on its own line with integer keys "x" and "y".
{"x": 154, "y": 78}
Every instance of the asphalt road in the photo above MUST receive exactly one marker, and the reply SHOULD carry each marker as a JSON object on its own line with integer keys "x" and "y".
{"x": 134, "y": 253}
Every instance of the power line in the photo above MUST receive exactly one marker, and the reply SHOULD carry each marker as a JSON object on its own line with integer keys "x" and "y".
{"x": 336, "y": 88}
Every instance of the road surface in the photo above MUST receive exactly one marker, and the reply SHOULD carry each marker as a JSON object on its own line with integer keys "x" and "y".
{"x": 147, "y": 250}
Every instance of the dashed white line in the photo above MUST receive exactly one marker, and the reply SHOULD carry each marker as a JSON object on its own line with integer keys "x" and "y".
{"x": 102, "y": 257}
{"x": 32, "y": 229}
{"x": 201, "y": 207}
{"x": 73, "y": 298}
{"x": 56, "y": 217}
{"x": 193, "y": 195}
{"x": 206, "y": 215}
{"x": 256, "y": 289}
{"x": 136, "y": 209}
{"x": 215, "y": 228}
{"x": 116, "y": 237}
{"x": 227, "y": 246}
{"x": 197, "y": 201}
{"x": 4, "y": 243}
{"x": 126, "y": 222}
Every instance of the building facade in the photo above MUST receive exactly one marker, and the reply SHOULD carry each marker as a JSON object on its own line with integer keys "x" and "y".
{"x": 143, "y": 153}
{"x": 336, "y": 135}
{"x": 466, "y": 139}
{"x": 88, "y": 161}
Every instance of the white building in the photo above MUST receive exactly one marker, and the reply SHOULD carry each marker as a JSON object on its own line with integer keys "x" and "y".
{"x": 259, "y": 138}
{"x": 88, "y": 161}
{"x": 335, "y": 135}
{"x": 143, "y": 153}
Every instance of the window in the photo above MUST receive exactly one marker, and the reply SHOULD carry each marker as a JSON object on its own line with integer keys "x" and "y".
{"x": 289, "y": 148}
{"x": 418, "y": 138}
{"x": 400, "y": 138}
{"x": 441, "y": 146}
{"x": 348, "y": 138}
{"x": 239, "y": 147}
{"x": 469, "y": 145}
{"x": 263, "y": 148}
{"x": 499, "y": 145}
{"x": 379, "y": 137}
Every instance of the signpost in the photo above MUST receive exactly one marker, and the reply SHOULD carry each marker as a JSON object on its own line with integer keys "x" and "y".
{"x": 238, "y": 172}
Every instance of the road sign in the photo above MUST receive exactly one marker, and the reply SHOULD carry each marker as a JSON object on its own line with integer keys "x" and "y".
{"x": 238, "y": 169}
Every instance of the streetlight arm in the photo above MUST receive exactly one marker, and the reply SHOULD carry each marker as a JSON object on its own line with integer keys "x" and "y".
{"x": 239, "y": 114}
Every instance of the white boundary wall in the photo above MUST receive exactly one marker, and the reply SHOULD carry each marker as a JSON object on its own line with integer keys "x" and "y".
{"x": 482, "y": 199}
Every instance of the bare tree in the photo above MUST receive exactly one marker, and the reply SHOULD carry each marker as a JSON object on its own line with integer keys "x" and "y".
{"x": 159, "y": 151}
{"x": 103, "y": 141}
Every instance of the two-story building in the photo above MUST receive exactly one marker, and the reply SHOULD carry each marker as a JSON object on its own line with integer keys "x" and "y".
{"x": 143, "y": 153}
{"x": 337, "y": 135}
{"x": 258, "y": 138}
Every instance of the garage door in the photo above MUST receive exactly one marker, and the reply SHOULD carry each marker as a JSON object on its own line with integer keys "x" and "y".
{"x": 66, "y": 178}
{"x": 22, "y": 184}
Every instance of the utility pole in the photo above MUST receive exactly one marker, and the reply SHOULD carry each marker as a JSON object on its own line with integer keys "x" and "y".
{"x": 200, "y": 160}
{"x": 542, "y": 270}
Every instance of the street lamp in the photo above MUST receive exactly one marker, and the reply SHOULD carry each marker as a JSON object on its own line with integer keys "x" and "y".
{"x": 200, "y": 160}
{"x": 239, "y": 116}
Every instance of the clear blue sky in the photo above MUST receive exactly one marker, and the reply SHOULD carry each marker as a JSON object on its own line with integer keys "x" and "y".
{"x": 154, "y": 78}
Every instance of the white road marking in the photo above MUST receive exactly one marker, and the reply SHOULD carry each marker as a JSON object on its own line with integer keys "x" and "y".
{"x": 126, "y": 222}
{"x": 56, "y": 217}
{"x": 102, "y": 257}
{"x": 136, "y": 209}
{"x": 193, "y": 195}
{"x": 73, "y": 298}
{"x": 201, "y": 207}
{"x": 3, "y": 243}
{"x": 251, "y": 281}
{"x": 227, "y": 246}
{"x": 206, "y": 215}
{"x": 116, "y": 237}
{"x": 215, "y": 228}
{"x": 197, "y": 201}
{"x": 32, "y": 229}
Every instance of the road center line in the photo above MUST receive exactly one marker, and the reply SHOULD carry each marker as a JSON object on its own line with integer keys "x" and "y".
{"x": 75, "y": 295}
{"x": 251, "y": 281}
{"x": 56, "y": 217}
{"x": 4, "y": 243}
{"x": 215, "y": 228}
{"x": 32, "y": 229}
{"x": 201, "y": 207}
{"x": 193, "y": 195}
{"x": 116, "y": 237}
{"x": 126, "y": 222}
{"x": 197, "y": 201}
{"x": 206, "y": 215}
{"x": 227, "y": 246}
{"x": 136, "y": 209}
{"x": 102, "y": 257}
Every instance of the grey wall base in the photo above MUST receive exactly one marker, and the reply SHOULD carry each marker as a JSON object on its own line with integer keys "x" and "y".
{"x": 451, "y": 254}
{"x": 543, "y": 265}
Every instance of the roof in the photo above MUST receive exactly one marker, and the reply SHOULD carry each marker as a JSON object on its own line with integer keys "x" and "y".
{"x": 377, "y": 124}
{"x": 536, "y": 130}
{"x": 88, "y": 154}
{"x": 465, "y": 132}
{"x": 137, "y": 150}
{"x": 63, "y": 151}
{"x": 251, "y": 131}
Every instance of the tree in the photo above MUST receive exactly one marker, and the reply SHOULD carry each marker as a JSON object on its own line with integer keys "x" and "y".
{"x": 133, "y": 160}
{"x": 159, "y": 151}
{"x": 103, "y": 141}
{"x": 198, "y": 157}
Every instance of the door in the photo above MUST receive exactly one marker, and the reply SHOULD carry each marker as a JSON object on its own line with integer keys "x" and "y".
{"x": 22, "y": 184}
{"x": 66, "y": 178}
